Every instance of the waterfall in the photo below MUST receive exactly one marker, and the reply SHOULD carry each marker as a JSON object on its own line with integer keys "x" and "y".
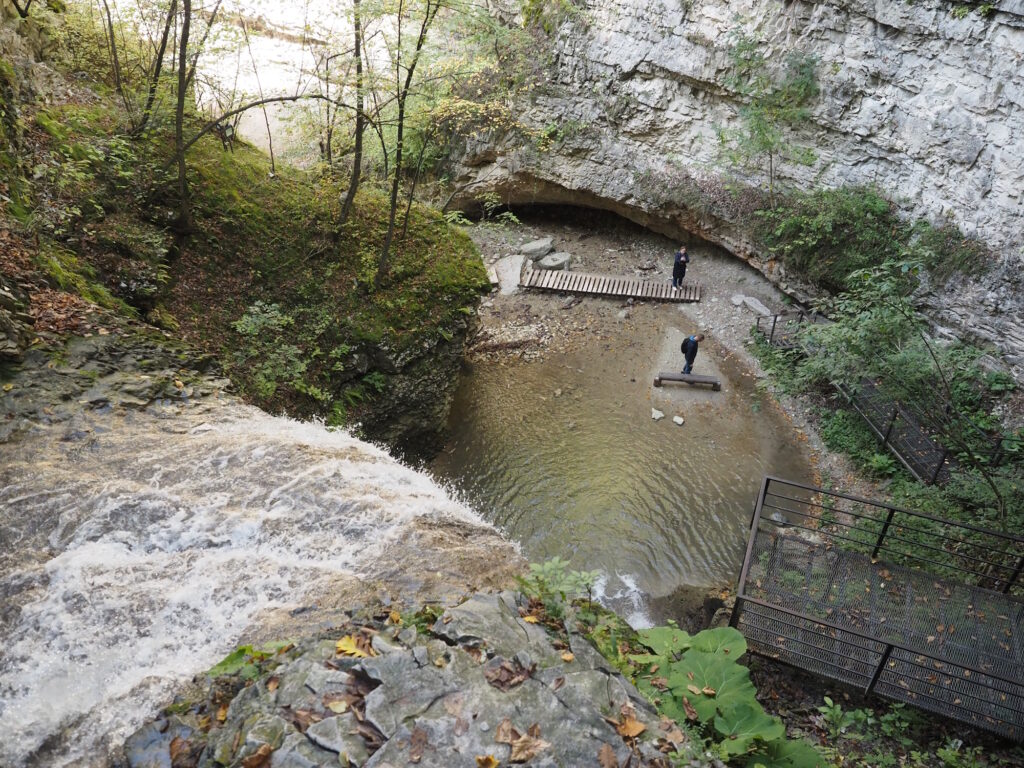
{"x": 136, "y": 547}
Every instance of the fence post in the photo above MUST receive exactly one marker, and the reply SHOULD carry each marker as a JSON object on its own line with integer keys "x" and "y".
{"x": 892, "y": 422}
{"x": 938, "y": 467}
{"x": 881, "y": 536}
{"x": 771, "y": 336}
{"x": 878, "y": 670}
{"x": 755, "y": 522}
{"x": 1016, "y": 575}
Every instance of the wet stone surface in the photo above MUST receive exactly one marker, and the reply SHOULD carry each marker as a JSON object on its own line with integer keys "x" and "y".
{"x": 480, "y": 682}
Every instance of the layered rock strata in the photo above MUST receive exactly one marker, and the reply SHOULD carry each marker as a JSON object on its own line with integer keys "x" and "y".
{"x": 917, "y": 99}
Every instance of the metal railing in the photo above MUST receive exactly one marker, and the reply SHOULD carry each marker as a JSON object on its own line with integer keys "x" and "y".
{"x": 878, "y": 597}
{"x": 909, "y": 433}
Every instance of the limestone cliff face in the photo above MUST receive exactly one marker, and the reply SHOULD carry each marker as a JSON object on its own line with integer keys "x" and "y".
{"x": 928, "y": 107}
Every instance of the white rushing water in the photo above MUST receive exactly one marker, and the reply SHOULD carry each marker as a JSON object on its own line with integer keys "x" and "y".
{"x": 136, "y": 548}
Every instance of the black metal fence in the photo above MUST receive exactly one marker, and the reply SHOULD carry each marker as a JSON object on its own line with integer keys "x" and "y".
{"x": 902, "y": 604}
{"x": 909, "y": 433}
{"x": 782, "y": 330}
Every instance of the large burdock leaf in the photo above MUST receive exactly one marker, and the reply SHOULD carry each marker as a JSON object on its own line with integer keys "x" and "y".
{"x": 665, "y": 640}
{"x": 728, "y": 682}
{"x": 786, "y": 754}
{"x": 745, "y": 724}
{"x": 725, "y": 641}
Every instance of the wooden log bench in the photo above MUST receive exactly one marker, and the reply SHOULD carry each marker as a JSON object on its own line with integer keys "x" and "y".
{"x": 687, "y": 378}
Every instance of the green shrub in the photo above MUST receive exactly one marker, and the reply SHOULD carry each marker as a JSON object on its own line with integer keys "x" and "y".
{"x": 827, "y": 234}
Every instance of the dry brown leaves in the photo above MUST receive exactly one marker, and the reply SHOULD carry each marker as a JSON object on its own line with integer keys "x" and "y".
{"x": 61, "y": 312}
{"x": 418, "y": 742}
{"x": 507, "y": 674}
{"x": 525, "y": 746}
{"x": 606, "y": 757}
{"x": 16, "y": 257}
{"x": 260, "y": 758}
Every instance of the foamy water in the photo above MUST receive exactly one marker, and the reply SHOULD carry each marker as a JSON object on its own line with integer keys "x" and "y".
{"x": 137, "y": 548}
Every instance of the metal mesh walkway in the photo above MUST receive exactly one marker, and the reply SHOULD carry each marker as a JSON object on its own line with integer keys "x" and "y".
{"x": 818, "y": 591}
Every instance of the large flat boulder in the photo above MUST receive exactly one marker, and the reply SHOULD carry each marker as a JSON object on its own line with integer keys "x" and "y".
{"x": 537, "y": 248}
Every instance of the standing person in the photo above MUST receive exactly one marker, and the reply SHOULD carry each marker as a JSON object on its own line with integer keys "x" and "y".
{"x": 679, "y": 267}
{"x": 689, "y": 350}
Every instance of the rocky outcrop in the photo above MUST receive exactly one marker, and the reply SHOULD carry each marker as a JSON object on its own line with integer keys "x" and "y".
{"x": 923, "y": 102}
{"x": 411, "y": 410}
{"x": 480, "y": 682}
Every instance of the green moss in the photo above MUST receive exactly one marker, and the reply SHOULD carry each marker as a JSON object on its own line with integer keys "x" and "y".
{"x": 67, "y": 272}
{"x": 51, "y": 125}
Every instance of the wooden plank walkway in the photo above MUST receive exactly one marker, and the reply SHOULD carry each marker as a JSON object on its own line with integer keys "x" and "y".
{"x": 607, "y": 285}
{"x": 687, "y": 378}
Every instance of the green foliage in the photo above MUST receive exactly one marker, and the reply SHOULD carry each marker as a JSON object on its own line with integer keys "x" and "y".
{"x": 555, "y": 585}
{"x": 248, "y": 662}
{"x": 835, "y": 720}
{"x": 947, "y": 252}
{"x": 827, "y": 234}
{"x": 698, "y": 679}
{"x": 775, "y": 105}
{"x": 548, "y": 15}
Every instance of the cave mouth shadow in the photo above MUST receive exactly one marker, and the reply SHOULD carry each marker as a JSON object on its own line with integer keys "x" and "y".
{"x": 593, "y": 221}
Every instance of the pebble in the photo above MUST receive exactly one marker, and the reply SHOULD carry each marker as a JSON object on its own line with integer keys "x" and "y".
{"x": 678, "y": 420}
{"x": 656, "y": 414}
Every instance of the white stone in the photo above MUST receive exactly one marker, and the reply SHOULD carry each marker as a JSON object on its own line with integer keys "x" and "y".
{"x": 508, "y": 271}
{"x": 537, "y": 248}
{"x": 756, "y": 306}
{"x": 656, "y": 414}
{"x": 678, "y": 420}
{"x": 555, "y": 261}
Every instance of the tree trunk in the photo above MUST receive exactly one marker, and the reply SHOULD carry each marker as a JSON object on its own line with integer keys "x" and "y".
{"x": 403, "y": 93}
{"x": 357, "y": 155}
{"x": 154, "y": 79}
{"x": 184, "y": 223}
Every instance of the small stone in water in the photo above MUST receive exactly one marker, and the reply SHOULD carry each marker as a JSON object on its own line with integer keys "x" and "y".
{"x": 656, "y": 414}
{"x": 678, "y": 420}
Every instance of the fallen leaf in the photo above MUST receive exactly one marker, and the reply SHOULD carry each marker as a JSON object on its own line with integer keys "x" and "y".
{"x": 178, "y": 745}
{"x": 693, "y": 689}
{"x": 526, "y": 748}
{"x": 350, "y": 646}
{"x": 707, "y": 690}
{"x": 417, "y": 743}
{"x": 506, "y": 733}
{"x": 222, "y": 713}
{"x": 630, "y": 728}
{"x": 606, "y": 757}
{"x": 557, "y": 683}
{"x": 338, "y": 707}
{"x": 395, "y": 617}
{"x": 303, "y": 718}
{"x": 691, "y": 713}
{"x": 486, "y": 761}
{"x": 260, "y": 758}
{"x": 272, "y": 684}
{"x": 567, "y": 657}
{"x": 530, "y": 619}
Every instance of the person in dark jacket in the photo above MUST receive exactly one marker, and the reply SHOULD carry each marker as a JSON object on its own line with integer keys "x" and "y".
{"x": 679, "y": 268}
{"x": 689, "y": 350}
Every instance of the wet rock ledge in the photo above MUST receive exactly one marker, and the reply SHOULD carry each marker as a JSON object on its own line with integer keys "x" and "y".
{"x": 480, "y": 686}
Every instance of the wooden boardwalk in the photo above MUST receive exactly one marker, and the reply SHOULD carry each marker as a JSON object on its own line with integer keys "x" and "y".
{"x": 607, "y": 285}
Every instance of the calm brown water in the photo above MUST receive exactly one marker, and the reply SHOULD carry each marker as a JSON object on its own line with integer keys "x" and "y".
{"x": 564, "y": 455}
